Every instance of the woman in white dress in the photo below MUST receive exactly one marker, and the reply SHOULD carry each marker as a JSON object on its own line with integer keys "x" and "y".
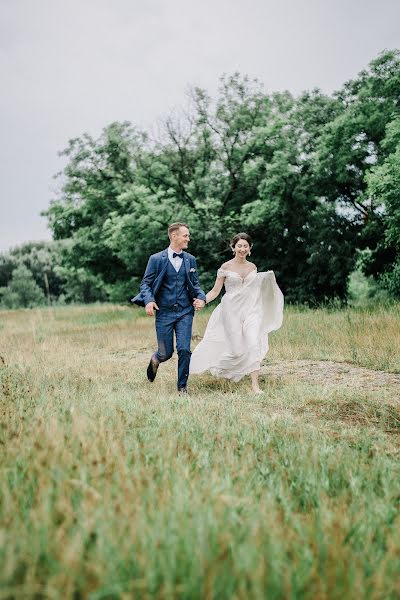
{"x": 236, "y": 337}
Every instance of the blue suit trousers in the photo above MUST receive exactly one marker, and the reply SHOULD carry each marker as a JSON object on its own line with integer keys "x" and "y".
{"x": 179, "y": 320}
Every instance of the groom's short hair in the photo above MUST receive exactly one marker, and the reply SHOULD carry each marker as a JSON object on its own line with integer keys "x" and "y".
{"x": 175, "y": 226}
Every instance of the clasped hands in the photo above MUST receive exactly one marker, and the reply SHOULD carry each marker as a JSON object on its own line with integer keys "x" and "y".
{"x": 152, "y": 306}
{"x": 198, "y": 304}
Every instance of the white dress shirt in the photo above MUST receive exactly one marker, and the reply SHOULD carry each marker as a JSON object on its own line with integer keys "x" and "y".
{"x": 175, "y": 262}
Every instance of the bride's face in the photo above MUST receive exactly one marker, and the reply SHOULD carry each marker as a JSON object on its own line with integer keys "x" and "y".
{"x": 242, "y": 248}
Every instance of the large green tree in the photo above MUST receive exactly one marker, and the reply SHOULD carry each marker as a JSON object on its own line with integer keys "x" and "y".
{"x": 295, "y": 173}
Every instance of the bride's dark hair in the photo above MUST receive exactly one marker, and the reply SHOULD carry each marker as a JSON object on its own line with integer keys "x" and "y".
{"x": 240, "y": 236}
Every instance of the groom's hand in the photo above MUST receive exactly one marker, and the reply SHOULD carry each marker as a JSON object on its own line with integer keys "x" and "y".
{"x": 150, "y": 307}
{"x": 198, "y": 304}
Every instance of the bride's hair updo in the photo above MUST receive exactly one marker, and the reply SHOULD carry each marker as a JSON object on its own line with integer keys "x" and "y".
{"x": 240, "y": 236}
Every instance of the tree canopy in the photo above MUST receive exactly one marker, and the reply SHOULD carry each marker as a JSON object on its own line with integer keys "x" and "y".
{"x": 314, "y": 179}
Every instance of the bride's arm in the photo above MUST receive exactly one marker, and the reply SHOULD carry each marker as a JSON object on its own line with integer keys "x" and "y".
{"x": 214, "y": 293}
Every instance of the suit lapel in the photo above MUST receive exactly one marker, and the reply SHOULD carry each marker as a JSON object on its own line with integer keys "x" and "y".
{"x": 164, "y": 263}
{"x": 186, "y": 262}
{"x": 161, "y": 272}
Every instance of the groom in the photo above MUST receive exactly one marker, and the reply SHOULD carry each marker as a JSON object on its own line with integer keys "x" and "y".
{"x": 171, "y": 287}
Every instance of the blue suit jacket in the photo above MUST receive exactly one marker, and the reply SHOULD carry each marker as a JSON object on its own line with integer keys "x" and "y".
{"x": 155, "y": 272}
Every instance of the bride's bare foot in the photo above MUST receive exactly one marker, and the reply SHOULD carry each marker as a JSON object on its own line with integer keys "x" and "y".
{"x": 254, "y": 383}
{"x": 257, "y": 391}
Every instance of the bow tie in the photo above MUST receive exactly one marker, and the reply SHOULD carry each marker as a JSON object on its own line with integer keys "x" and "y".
{"x": 177, "y": 254}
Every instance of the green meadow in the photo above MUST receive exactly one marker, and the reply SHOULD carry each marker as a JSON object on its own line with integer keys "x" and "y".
{"x": 115, "y": 488}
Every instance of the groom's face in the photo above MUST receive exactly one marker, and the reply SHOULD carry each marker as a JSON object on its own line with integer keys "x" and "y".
{"x": 181, "y": 238}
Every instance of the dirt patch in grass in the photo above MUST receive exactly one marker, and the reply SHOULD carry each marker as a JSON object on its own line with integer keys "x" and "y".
{"x": 351, "y": 395}
{"x": 330, "y": 373}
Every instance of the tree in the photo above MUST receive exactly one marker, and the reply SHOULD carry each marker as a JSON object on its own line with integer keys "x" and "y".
{"x": 41, "y": 258}
{"x": 22, "y": 291}
{"x": 97, "y": 173}
{"x": 384, "y": 188}
{"x": 350, "y": 145}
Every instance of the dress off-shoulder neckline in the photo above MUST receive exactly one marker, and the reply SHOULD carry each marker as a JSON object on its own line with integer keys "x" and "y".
{"x": 236, "y": 273}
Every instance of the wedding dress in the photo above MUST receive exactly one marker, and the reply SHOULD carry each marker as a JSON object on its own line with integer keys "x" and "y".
{"x": 236, "y": 337}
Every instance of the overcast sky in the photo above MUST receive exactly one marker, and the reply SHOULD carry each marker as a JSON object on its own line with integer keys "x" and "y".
{"x": 70, "y": 66}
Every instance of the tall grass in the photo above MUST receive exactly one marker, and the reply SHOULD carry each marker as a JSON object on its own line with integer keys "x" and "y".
{"x": 116, "y": 488}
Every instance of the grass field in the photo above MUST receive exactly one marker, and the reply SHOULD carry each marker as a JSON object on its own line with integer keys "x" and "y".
{"x": 114, "y": 488}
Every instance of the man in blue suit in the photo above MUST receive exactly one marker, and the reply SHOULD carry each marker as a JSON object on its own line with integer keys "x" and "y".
{"x": 171, "y": 287}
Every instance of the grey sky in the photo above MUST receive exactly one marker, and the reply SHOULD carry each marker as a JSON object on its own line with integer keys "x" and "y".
{"x": 69, "y": 66}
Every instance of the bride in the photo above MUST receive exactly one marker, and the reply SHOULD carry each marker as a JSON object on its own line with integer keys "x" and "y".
{"x": 236, "y": 338}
